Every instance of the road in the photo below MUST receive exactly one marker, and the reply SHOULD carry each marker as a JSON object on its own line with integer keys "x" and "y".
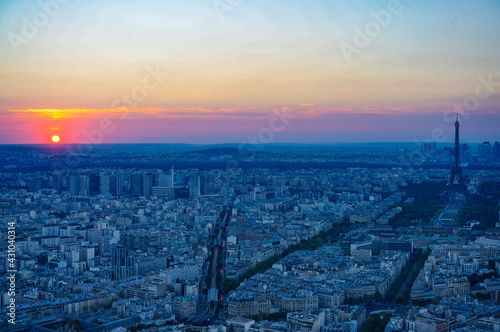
{"x": 213, "y": 268}
{"x": 208, "y": 309}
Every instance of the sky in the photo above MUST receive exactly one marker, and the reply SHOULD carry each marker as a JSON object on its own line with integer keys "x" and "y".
{"x": 268, "y": 71}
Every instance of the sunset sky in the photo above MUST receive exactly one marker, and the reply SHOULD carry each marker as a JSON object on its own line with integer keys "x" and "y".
{"x": 204, "y": 71}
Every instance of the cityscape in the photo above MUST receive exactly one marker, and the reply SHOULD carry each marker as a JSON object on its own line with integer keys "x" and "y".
{"x": 216, "y": 166}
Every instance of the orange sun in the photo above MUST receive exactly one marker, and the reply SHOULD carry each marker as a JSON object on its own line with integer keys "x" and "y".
{"x": 55, "y": 139}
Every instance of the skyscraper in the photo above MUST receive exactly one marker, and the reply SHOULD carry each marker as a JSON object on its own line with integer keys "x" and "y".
{"x": 147, "y": 184}
{"x": 194, "y": 185}
{"x": 104, "y": 184}
{"x": 118, "y": 255}
{"x": 94, "y": 184}
{"x": 173, "y": 179}
{"x": 207, "y": 184}
{"x": 84, "y": 185}
{"x": 164, "y": 180}
{"x": 136, "y": 185}
{"x": 74, "y": 184}
{"x": 115, "y": 184}
{"x": 57, "y": 181}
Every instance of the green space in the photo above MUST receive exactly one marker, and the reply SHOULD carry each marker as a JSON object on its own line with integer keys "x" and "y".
{"x": 426, "y": 206}
{"x": 324, "y": 237}
{"x": 274, "y": 317}
{"x": 448, "y": 215}
{"x": 366, "y": 300}
{"x": 400, "y": 290}
{"x": 475, "y": 278}
{"x": 482, "y": 296}
{"x": 425, "y": 302}
{"x": 482, "y": 206}
{"x": 376, "y": 323}
{"x": 75, "y": 325}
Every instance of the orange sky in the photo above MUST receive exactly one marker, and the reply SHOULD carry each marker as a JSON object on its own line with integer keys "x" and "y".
{"x": 185, "y": 68}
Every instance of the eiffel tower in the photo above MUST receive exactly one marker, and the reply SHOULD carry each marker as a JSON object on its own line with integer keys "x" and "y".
{"x": 456, "y": 188}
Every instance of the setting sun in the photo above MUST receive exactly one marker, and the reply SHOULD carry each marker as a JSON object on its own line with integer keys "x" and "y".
{"x": 55, "y": 139}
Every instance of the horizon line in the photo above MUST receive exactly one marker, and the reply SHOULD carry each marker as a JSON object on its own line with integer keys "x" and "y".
{"x": 234, "y": 143}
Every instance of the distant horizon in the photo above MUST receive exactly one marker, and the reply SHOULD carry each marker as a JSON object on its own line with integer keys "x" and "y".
{"x": 234, "y": 144}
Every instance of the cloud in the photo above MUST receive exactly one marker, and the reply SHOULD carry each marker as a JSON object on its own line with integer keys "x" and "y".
{"x": 234, "y": 124}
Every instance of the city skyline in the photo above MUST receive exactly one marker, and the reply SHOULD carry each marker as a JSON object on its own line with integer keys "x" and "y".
{"x": 213, "y": 72}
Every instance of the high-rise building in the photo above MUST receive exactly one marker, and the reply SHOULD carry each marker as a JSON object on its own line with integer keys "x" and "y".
{"x": 164, "y": 180}
{"x": 173, "y": 176}
{"x": 115, "y": 184}
{"x": 123, "y": 264}
{"x": 74, "y": 184}
{"x": 496, "y": 150}
{"x": 136, "y": 185}
{"x": 464, "y": 152}
{"x": 207, "y": 184}
{"x": 35, "y": 185}
{"x": 486, "y": 151}
{"x": 84, "y": 185}
{"x": 429, "y": 149}
{"x": 194, "y": 185}
{"x": 164, "y": 185}
{"x": 118, "y": 255}
{"x": 147, "y": 183}
{"x": 57, "y": 181}
{"x": 484, "y": 148}
{"x": 94, "y": 184}
{"x": 105, "y": 184}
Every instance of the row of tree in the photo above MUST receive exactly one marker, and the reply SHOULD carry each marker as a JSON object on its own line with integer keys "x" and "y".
{"x": 313, "y": 243}
{"x": 400, "y": 290}
{"x": 376, "y": 323}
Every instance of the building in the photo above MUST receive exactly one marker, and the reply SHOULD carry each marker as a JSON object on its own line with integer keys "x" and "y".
{"x": 186, "y": 272}
{"x": 488, "y": 324}
{"x": 376, "y": 246}
{"x": 105, "y": 184}
{"x": 150, "y": 242}
{"x": 239, "y": 324}
{"x": 346, "y": 313}
{"x": 328, "y": 297}
{"x": 115, "y": 185}
{"x": 245, "y": 304}
{"x": 362, "y": 254}
{"x": 94, "y": 184}
{"x": 207, "y": 184}
{"x": 136, "y": 185}
{"x": 302, "y": 321}
{"x": 194, "y": 185}
{"x": 147, "y": 264}
{"x": 438, "y": 229}
{"x": 74, "y": 184}
{"x": 147, "y": 184}
{"x": 301, "y": 300}
{"x": 123, "y": 265}
{"x": 432, "y": 324}
{"x": 451, "y": 287}
{"x": 484, "y": 251}
{"x": 185, "y": 307}
{"x": 57, "y": 181}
